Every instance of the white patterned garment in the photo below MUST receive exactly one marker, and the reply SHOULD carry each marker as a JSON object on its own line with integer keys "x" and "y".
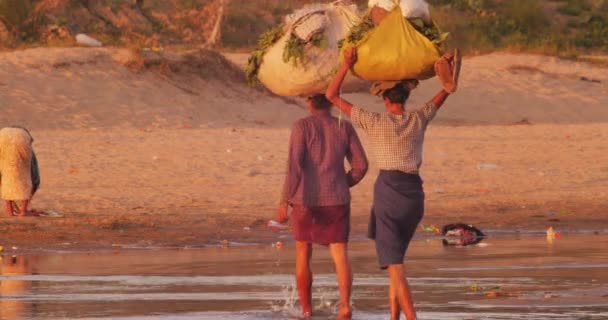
{"x": 409, "y": 8}
{"x": 396, "y": 139}
{"x": 15, "y": 164}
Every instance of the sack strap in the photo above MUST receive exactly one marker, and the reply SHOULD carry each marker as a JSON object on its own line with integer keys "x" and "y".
{"x": 301, "y": 19}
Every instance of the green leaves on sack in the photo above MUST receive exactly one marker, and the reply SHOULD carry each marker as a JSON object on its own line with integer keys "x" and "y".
{"x": 430, "y": 31}
{"x": 294, "y": 48}
{"x": 358, "y": 32}
{"x": 266, "y": 40}
{"x": 293, "y": 51}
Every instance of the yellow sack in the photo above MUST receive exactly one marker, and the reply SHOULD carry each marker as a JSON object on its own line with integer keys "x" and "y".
{"x": 394, "y": 50}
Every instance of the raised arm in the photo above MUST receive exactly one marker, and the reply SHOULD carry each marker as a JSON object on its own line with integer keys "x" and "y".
{"x": 333, "y": 90}
{"x": 440, "y": 98}
{"x": 445, "y": 68}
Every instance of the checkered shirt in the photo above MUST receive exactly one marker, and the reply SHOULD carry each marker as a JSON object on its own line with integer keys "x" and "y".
{"x": 316, "y": 175}
{"x": 396, "y": 139}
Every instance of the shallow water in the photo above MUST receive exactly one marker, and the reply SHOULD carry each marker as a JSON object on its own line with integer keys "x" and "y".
{"x": 503, "y": 278}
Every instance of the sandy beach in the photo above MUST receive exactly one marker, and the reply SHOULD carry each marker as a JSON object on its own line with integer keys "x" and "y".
{"x": 182, "y": 153}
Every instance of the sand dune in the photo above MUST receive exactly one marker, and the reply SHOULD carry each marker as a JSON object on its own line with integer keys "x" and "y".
{"x": 67, "y": 88}
{"x": 502, "y": 88}
{"x": 183, "y": 153}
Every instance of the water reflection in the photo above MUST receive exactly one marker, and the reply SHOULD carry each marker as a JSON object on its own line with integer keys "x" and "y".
{"x": 504, "y": 279}
{"x": 10, "y": 306}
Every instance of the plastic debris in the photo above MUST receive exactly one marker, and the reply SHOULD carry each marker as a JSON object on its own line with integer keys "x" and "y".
{"x": 86, "y": 40}
{"x": 430, "y": 228}
{"x": 493, "y": 294}
{"x": 487, "y": 166}
{"x": 51, "y": 213}
{"x": 476, "y": 288}
{"x": 276, "y": 225}
{"x": 551, "y": 235}
{"x": 460, "y": 234}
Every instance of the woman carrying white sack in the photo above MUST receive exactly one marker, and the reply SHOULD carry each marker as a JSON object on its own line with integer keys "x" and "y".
{"x": 19, "y": 175}
{"x": 300, "y": 56}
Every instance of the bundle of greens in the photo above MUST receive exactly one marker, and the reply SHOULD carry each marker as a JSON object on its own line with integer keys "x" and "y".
{"x": 358, "y": 32}
{"x": 430, "y": 31}
{"x": 293, "y": 51}
{"x": 266, "y": 40}
{"x": 294, "y": 48}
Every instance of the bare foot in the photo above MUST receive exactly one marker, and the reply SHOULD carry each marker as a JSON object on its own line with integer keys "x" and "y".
{"x": 345, "y": 313}
{"x": 32, "y": 213}
{"x": 28, "y": 213}
{"x": 306, "y": 315}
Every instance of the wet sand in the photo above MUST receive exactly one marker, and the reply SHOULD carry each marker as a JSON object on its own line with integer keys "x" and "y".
{"x": 501, "y": 278}
{"x": 181, "y": 153}
{"x": 192, "y": 187}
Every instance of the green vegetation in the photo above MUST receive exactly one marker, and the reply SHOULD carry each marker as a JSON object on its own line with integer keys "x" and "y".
{"x": 14, "y": 11}
{"x": 266, "y": 40}
{"x": 563, "y": 27}
{"x": 430, "y": 31}
{"x": 294, "y": 48}
{"x": 574, "y": 7}
{"x": 358, "y": 32}
{"x": 560, "y": 27}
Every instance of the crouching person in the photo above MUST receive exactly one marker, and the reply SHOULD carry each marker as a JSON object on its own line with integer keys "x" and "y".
{"x": 19, "y": 175}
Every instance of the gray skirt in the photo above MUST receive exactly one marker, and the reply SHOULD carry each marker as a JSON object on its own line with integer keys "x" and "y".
{"x": 396, "y": 212}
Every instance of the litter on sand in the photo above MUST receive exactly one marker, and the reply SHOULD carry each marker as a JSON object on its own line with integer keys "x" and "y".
{"x": 51, "y": 214}
{"x": 430, "y": 228}
{"x": 276, "y": 225}
{"x": 460, "y": 234}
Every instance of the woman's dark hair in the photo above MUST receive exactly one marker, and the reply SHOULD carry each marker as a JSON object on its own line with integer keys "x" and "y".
{"x": 397, "y": 94}
{"x": 320, "y": 102}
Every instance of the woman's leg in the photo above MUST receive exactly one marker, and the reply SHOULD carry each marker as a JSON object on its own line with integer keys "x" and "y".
{"x": 9, "y": 207}
{"x": 24, "y": 204}
{"x": 339, "y": 253}
{"x": 393, "y": 301}
{"x": 304, "y": 276}
{"x": 399, "y": 283}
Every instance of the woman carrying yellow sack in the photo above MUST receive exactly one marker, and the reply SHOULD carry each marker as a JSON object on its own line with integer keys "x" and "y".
{"x": 397, "y": 138}
{"x": 393, "y": 45}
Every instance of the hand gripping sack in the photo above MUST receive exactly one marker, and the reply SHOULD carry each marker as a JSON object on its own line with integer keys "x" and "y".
{"x": 314, "y": 73}
{"x": 394, "y": 50}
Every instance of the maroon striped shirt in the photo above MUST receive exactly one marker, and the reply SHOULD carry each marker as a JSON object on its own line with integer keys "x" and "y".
{"x": 316, "y": 174}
